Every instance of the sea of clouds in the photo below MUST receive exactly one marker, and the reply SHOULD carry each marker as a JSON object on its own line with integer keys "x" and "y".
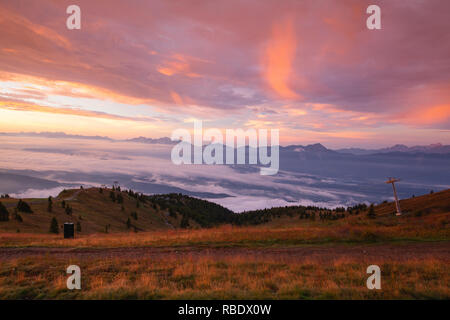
{"x": 41, "y": 166}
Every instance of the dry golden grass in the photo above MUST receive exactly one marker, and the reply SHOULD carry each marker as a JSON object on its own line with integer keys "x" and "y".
{"x": 237, "y": 277}
{"x": 430, "y": 228}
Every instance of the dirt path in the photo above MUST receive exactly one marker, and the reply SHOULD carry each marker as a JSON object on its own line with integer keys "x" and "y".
{"x": 390, "y": 252}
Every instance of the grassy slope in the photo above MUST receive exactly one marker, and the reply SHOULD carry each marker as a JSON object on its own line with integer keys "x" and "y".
{"x": 426, "y": 218}
{"x": 92, "y": 209}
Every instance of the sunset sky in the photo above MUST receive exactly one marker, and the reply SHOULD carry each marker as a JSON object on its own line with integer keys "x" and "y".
{"x": 309, "y": 68}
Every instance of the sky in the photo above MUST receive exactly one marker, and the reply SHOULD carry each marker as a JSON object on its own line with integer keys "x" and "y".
{"x": 309, "y": 68}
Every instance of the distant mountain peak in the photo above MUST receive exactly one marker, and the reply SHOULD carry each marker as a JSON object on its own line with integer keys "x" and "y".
{"x": 163, "y": 140}
{"x": 313, "y": 148}
{"x": 431, "y": 148}
{"x": 436, "y": 145}
{"x": 317, "y": 147}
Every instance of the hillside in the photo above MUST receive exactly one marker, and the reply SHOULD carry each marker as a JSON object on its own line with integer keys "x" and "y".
{"x": 427, "y": 207}
{"x": 98, "y": 210}
{"x": 93, "y": 209}
{"x": 105, "y": 210}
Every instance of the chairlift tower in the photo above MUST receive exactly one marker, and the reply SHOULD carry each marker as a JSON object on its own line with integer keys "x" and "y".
{"x": 397, "y": 203}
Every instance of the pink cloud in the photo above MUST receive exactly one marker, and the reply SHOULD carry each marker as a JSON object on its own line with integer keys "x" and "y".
{"x": 235, "y": 56}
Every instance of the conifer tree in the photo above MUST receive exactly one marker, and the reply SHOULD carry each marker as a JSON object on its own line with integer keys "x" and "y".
{"x": 24, "y": 207}
{"x": 50, "y": 204}
{"x": 54, "y": 226}
{"x": 371, "y": 213}
{"x": 4, "y": 214}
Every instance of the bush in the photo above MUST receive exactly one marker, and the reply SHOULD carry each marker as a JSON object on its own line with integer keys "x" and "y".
{"x": 18, "y": 217}
{"x": 172, "y": 213}
{"x": 54, "y": 226}
{"x": 69, "y": 210}
{"x": 371, "y": 237}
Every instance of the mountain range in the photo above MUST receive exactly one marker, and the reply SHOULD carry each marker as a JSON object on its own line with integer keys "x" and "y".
{"x": 432, "y": 148}
{"x": 312, "y": 148}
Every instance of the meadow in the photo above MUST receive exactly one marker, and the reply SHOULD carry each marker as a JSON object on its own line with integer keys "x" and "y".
{"x": 237, "y": 277}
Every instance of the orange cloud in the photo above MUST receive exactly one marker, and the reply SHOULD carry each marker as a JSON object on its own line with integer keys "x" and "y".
{"x": 279, "y": 56}
{"x": 71, "y": 89}
{"x": 178, "y": 65}
{"x": 9, "y": 17}
{"x": 425, "y": 116}
{"x": 24, "y": 106}
{"x": 176, "y": 98}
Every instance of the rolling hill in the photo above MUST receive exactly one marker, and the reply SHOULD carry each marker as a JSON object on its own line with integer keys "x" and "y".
{"x": 97, "y": 210}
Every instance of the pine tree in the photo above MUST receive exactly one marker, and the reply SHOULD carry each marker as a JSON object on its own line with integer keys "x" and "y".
{"x": 50, "y": 204}
{"x": 112, "y": 195}
{"x": 54, "y": 226}
{"x": 24, "y": 207}
{"x": 4, "y": 214}
{"x": 371, "y": 213}
{"x": 184, "y": 222}
{"x": 128, "y": 223}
